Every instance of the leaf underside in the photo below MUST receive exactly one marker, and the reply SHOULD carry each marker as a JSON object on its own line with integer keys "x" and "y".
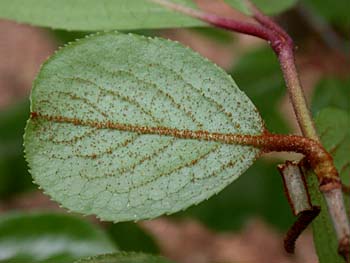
{"x": 118, "y": 175}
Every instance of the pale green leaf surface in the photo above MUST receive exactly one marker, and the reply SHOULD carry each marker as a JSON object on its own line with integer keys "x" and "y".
{"x": 140, "y": 81}
{"x": 92, "y": 15}
{"x": 122, "y": 257}
{"x": 267, "y": 6}
{"x": 49, "y": 237}
{"x": 333, "y": 126}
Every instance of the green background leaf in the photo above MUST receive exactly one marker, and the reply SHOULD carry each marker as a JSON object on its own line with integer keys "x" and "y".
{"x": 259, "y": 75}
{"x": 129, "y": 236}
{"x": 332, "y": 92}
{"x": 336, "y": 12}
{"x": 91, "y": 15}
{"x": 267, "y": 6}
{"x": 140, "y": 81}
{"x": 49, "y": 237}
{"x": 123, "y": 257}
{"x": 14, "y": 176}
{"x": 333, "y": 125}
{"x": 258, "y": 193}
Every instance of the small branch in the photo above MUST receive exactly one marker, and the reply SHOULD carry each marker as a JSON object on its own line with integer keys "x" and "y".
{"x": 218, "y": 21}
{"x": 295, "y": 187}
{"x": 267, "y": 22}
{"x": 296, "y": 93}
{"x": 299, "y": 200}
{"x": 334, "y": 199}
{"x": 303, "y": 221}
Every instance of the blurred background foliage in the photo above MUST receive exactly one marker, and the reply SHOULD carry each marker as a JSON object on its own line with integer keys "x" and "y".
{"x": 323, "y": 59}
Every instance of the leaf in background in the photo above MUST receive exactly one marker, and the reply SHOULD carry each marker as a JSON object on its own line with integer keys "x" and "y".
{"x": 332, "y": 92}
{"x": 92, "y": 15}
{"x": 267, "y": 6}
{"x": 131, "y": 237}
{"x": 257, "y": 193}
{"x": 123, "y": 257}
{"x": 259, "y": 76}
{"x": 49, "y": 237}
{"x": 215, "y": 34}
{"x": 336, "y": 13}
{"x": 333, "y": 126}
{"x": 123, "y": 79}
{"x": 14, "y": 176}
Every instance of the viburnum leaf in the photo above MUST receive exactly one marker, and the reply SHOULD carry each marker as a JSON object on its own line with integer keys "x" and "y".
{"x": 106, "y": 115}
{"x": 92, "y": 15}
{"x": 124, "y": 257}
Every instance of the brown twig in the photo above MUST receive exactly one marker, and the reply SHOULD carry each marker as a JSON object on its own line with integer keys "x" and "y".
{"x": 303, "y": 221}
{"x": 299, "y": 199}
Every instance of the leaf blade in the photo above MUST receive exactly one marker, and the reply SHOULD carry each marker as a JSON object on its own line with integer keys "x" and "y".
{"x": 90, "y": 15}
{"x": 65, "y": 238}
{"x": 112, "y": 14}
{"x": 128, "y": 176}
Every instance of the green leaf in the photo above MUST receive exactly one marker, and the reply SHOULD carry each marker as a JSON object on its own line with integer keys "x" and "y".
{"x": 92, "y": 15}
{"x": 333, "y": 125}
{"x": 337, "y": 13}
{"x": 123, "y": 257}
{"x": 267, "y": 6}
{"x": 257, "y": 194}
{"x": 130, "y": 236}
{"x": 116, "y": 80}
{"x": 14, "y": 176}
{"x": 332, "y": 92}
{"x": 259, "y": 76}
{"x": 48, "y": 237}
